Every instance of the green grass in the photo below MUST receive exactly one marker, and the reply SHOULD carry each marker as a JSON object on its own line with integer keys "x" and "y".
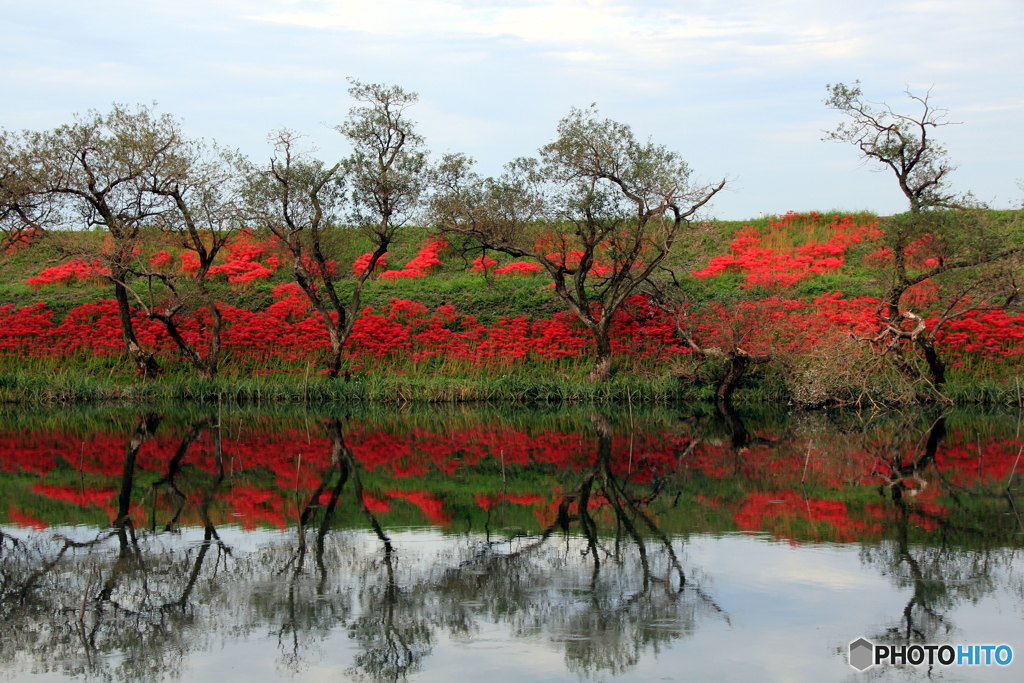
{"x": 67, "y": 387}
{"x": 101, "y": 378}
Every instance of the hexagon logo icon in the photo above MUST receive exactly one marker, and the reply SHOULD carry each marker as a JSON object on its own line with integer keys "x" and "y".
{"x": 862, "y": 653}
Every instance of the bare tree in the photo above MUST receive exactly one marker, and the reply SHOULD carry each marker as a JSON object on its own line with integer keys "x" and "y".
{"x": 205, "y": 213}
{"x": 296, "y": 197}
{"x": 599, "y": 213}
{"x": 903, "y": 143}
{"x": 301, "y": 201}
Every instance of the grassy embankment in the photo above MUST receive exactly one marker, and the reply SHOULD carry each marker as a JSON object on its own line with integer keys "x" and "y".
{"x": 89, "y": 376}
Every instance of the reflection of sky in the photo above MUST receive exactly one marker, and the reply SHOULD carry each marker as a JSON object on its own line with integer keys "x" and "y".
{"x": 736, "y": 86}
{"x": 792, "y": 610}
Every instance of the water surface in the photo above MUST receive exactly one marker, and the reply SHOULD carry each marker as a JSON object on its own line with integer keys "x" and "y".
{"x": 205, "y": 542}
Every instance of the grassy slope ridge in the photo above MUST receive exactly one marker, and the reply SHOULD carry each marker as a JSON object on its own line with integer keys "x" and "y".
{"x": 488, "y": 298}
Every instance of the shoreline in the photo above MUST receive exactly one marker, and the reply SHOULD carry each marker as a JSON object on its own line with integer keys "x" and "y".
{"x": 64, "y": 387}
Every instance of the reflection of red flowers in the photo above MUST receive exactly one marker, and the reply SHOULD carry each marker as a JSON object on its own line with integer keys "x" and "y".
{"x": 270, "y": 453}
{"x": 76, "y": 495}
{"x": 431, "y": 506}
{"x": 254, "y": 505}
{"x": 19, "y": 518}
{"x": 775, "y": 511}
{"x": 375, "y": 505}
{"x": 487, "y": 502}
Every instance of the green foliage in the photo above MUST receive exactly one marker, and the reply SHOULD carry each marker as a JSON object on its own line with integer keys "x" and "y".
{"x": 850, "y": 285}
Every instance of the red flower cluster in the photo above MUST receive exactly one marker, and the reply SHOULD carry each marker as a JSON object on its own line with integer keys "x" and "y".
{"x": 483, "y": 263}
{"x": 425, "y": 260}
{"x": 22, "y": 237}
{"x": 161, "y": 260}
{"x": 242, "y": 263}
{"x": 784, "y": 267}
{"x": 287, "y": 332}
{"x": 984, "y": 335}
{"x": 360, "y": 265}
{"x": 519, "y": 268}
{"x": 920, "y": 254}
{"x": 74, "y": 270}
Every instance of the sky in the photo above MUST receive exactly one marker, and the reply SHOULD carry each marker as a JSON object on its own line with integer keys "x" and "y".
{"x": 736, "y": 87}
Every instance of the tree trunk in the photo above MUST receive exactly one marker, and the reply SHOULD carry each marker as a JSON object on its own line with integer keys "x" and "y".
{"x": 334, "y": 361}
{"x": 339, "y": 331}
{"x": 213, "y": 356}
{"x": 602, "y": 368}
{"x": 144, "y": 360}
{"x": 207, "y": 368}
{"x": 936, "y": 365}
{"x": 734, "y": 371}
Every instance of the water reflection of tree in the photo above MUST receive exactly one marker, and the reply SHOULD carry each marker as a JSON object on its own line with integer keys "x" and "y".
{"x": 393, "y": 635}
{"x": 625, "y": 588}
{"x": 72, "y": 602}
{"x": 964, "y": 559}
{"x": 619, "y": 588}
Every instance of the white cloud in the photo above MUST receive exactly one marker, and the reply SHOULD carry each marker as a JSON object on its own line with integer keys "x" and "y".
{"x": 634, "y": 30}
{"x": 736, "y": 85}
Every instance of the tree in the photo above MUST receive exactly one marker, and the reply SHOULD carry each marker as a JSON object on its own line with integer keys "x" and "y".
{"x": 128, "y": 171}
{"x": 903, "y": 143}
{"x": 965, "y": 253}
{"x": 301, "y": 200}
{"x": 951, "y": 264}
{"x": 738, "y": 328}
{"x": 101, "y": 170}
{"x": 22, "y": 211}
{"x": 598, "y": 212}
{"x": 204, "y": 213}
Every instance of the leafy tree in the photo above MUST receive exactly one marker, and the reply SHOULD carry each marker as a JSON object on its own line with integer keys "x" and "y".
{"x": 599, "y": 211}
{"x": 102, "y": 170}
{"x": 302, "y": 201}
{"x": 939, "y": 266}
{"x": 22, "y": 213}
